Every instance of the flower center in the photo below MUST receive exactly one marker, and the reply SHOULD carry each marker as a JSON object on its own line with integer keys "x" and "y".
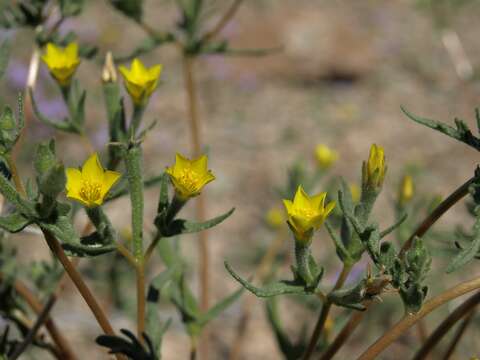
{"x": 91, "y": 191}
{"x": 189, "y": 179}
{"x": 307, "y": 213}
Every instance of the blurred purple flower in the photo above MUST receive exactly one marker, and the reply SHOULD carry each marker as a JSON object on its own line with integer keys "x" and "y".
{"x": 86, "y": 31}
{"x": 53, "y": 108}
{"x": 17, "y": 74}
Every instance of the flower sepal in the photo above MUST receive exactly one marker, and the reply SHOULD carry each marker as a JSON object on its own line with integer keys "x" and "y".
{"x": 10, "y": 127}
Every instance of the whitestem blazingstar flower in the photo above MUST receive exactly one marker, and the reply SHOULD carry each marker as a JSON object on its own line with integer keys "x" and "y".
{"x": 140, "y": 81}
{"x": 62, "y": 62}
{"x": 325, "y": 156}
{"x": 306, "y": 214}
{"x": 374, "y": 169}
{"x": 406, "y": 190}
{"x": 189, "y": 176}
{"x": 90, "y": 185}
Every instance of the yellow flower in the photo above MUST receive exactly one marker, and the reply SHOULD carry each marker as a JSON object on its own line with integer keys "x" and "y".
{"x": 325, "y": 156}
{"x": 140, "y": 81}
{"x": 306, "y": 214}
{"x": 189, "y": 176}
{"x": 406, "y": 190}
{"x": 62, "y": 62}
{"x": 355, "y": 191}
{"x": 374, "y": 173}
{"x": 90, "y": 185}
{"x": 275, "y": 217}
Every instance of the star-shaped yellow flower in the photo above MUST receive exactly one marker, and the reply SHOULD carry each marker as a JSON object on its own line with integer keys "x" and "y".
{"x": 189, "y": 176}
{"x": 326, "y": 157}
{"x": 375, "y": 169}
{"x": 140, "y": 81}
{"x": 62, "y": 62}
{"x": 90, "y": 185}
{"x": 306, "y": 214}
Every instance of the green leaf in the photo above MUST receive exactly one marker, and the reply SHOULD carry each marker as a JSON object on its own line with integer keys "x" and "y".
{"x": 131, "y": 8}
{"x": 4, "y": 56}
{"x": 71, "y": 7}
{"x": 394, "y": 226}
{"x": 342, "y": 252}
{"x": 13, "y": 223}
{"x": 163, "y": 199}
{"x": 59, "y": 125}
{"x": 221, "y": 306}
{"x": 461, "y": 132}
{"x": 272, "y": 289}
{"x": 8, "y": 191}
{"x": 468, "y": 253}
{"x": 61, "y": 227}
{"x": 181, "y": 226}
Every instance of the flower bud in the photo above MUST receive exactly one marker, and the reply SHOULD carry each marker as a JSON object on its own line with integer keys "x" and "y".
{"x": 325, "y": 156}
{"x": 374, "y": 169}
{"x": 109, "y": 74}
{"x": 406, "y": 190}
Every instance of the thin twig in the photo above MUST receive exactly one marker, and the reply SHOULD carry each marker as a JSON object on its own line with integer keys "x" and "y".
{"x": 441, "y": 209}
{"x": 42, "y": 317}
{"x": 458, "y": 335}
{"x": 411, "y": 319}
{"x": 442, "y": 329}
{"x": 345, "y": 333}
{"x": 204, "y": 263}
{"x": 56, "y": 335}
{"x": 324, "y": 314}
{"x": 224, "y": 20}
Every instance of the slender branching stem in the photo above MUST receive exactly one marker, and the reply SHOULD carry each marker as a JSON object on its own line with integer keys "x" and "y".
{"x": 32, "y": 333}
{"x": 411, "y": 319}
{"x": 15, "y": 175}
{"x": 224, "y": 20}
{"x": 324, "y": 314}
{"x": 441, "y": 209}
{"x": 77, "y": 279}
{"x": 62, "y": 344}
{"x": 192, "y": 105}
{"x": 345, "y": 333}
{"x": 126, "y": 254}
{"x": 442, "y": 329}
{"x": 458, "y": 335}
{"x": 133, "y": 165}
{"x": 151, "y": 247}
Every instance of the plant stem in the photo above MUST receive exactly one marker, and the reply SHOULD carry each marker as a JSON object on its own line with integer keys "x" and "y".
{"x": 324, "y": 314}
{"x": 458, "y": 335}
{"x": 345, "y": 333}
{"x": 15, "y": 176}
{"x": 411, "y": 319}
{"x": 42, "y": 317}
{"x": 62, "y": 344}
{"x": 442, "y": 329}
{"x": 77, "y": 279}
{"x": 441, "y": 209}
{"x": 133, "y": 165}
{"x": 224, "y": 20}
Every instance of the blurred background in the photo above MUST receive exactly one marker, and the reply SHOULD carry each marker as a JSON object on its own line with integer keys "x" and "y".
{"x": 344, "y": 69}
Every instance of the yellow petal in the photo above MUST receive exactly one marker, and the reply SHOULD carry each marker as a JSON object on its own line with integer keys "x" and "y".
{"x": 72, "y": 50}
{"x": 200, "y": 165}
{"x": 109, "y": 179}
{"x": 74, "y": 180}
{"x": 318, "y": 201}
{"x": 155, "y": 71}
{"x": 92, "y": 170}
{"x": 328, "y": 209}
{"x": 288, "y": 205}
{"x": 124, "y": 71}
{"x": 301, "y": 199}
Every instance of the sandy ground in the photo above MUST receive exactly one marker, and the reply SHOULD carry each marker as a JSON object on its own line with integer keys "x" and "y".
{"x": 345, "y": 70}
